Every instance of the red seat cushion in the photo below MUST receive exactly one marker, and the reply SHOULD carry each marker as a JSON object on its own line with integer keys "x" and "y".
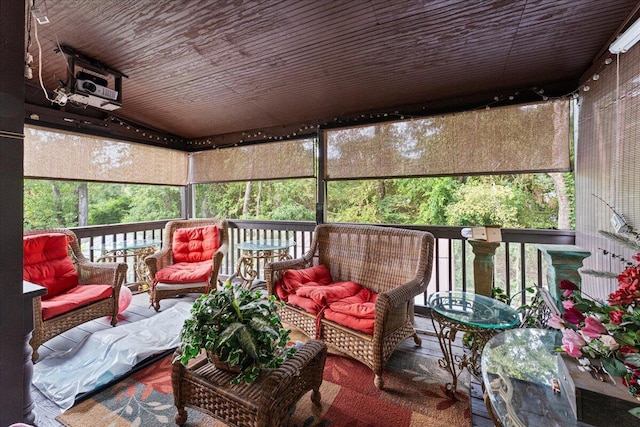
{"x": 356, "y": 312}
{"x": 74, "y": 298}
{"x": 185, "y": 272}
{"x": 292, "y": 279}
{"x": 314, "y": 297}
{"x": 46, "y": 262}
{"x": 323, "y": 295}
{"x": 195, "y": 244}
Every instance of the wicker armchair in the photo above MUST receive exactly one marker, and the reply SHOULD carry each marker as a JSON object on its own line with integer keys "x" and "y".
{"x": 68, "y": 309}
{"x": 394, "y": 263}
{"x": 164, "y": 259}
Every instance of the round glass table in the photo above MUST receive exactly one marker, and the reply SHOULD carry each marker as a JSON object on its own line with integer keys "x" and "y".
{"x": 518, "y": 367}
{"x": 255, "y": 250}
{"x": 136, "y": 249}
{"x": 481, "y": 317}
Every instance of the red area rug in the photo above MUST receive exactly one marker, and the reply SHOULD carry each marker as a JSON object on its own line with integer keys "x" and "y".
{"x": 414, "y": 396}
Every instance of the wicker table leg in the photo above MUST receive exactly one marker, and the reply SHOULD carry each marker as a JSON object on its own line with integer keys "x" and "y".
{"x": 181, "y": 416}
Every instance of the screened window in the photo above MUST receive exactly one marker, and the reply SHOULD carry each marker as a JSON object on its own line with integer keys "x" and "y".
{"x": 514, "y": 139}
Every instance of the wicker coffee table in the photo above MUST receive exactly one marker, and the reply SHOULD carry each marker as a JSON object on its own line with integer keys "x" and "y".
{"x": 266, "y": 402}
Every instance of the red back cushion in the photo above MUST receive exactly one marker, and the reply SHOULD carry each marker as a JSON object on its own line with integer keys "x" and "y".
{"x": 293, "y": 279}
{"x": 46, "y": 262}
{"x": 195, "y": 244}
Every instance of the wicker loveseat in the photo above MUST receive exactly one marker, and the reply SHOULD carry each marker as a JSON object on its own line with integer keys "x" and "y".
{"x": 189, "y": 259}
{"x": 77, "y": 290}
{"x": 390, "y": 265}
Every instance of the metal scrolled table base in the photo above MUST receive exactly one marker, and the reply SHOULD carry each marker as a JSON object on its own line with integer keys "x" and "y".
{"x": 142, "y": 274}
{"x": 246, "y": 269}
{"x": 446, "y": 331}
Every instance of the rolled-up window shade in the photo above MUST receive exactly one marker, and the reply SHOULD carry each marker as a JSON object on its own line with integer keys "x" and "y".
{"x": 65, "y": 155}
{"x": 277, "y": 160}
{"x": 514, "y": 139}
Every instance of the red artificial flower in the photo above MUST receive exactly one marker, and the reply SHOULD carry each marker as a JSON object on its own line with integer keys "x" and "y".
{"x": 573, "y": 315}
{"x": 624, "y": 296}
{"x": 629, "y": 278}
{"x": 593, "y": 328}
{"x": 616, "y": 316}
{"x": 568, "y": 287}
{"x": 627, "y": 349}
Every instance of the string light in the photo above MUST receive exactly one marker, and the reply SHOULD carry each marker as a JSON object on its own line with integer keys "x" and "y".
{"x": 260, "y": 135}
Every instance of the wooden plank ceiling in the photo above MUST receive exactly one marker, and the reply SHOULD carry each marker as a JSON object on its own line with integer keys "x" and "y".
{"x": 212, "y": 73}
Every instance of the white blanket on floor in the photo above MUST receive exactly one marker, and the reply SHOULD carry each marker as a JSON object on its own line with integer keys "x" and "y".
{"x": 106, "y": 355}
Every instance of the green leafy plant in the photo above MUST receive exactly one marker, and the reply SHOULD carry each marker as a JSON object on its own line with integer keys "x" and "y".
{"x": 239, "y": 326}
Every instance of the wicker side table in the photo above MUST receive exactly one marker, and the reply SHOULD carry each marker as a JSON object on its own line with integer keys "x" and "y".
{"x": 266, "y": 402}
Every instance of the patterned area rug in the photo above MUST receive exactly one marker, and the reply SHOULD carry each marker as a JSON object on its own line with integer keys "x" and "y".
{"x": 414, "y": 396}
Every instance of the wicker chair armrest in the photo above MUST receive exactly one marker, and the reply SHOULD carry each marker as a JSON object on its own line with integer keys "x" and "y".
{"x": 290, "y": 264}
{"x": 280, "y": 380}
{"x": 101, "y": 273}
{"x": 405, "y": 292}
{"x": 273, "y": 270}
{"x": 392, "y": 307}
{"x": 158, "y": 260}
{"x": 218, "y": 257}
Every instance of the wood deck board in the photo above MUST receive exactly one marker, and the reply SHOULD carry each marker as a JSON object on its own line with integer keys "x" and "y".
{"x": 139, "y": 309}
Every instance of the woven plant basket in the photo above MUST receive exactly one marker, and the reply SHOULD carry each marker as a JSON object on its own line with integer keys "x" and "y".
{"x": 223, "y": 366}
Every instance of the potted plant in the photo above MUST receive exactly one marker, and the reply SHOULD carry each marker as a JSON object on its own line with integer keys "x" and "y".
{"x": 239, "y": 329}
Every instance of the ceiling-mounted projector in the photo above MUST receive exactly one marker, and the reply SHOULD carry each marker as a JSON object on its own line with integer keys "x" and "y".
{"x": 94, "y": 101}
{"x": 92, "y": 83}
{"x": 95, "y": 89}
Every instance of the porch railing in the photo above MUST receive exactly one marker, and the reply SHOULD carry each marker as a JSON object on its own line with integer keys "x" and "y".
{"x": 518, "y": 264}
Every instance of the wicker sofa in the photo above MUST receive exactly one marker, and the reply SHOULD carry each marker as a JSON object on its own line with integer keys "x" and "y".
{"x": 392, "y": 265}
{"x": 77, "y": 290}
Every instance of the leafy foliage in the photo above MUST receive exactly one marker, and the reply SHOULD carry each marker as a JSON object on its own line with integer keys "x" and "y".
{"x": 57, "y": 203}
{"x": 518, "y": 201}
{"x": 240, "y": 326}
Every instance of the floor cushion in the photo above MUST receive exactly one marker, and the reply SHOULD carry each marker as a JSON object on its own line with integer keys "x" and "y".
{"x": 74, "y": 298}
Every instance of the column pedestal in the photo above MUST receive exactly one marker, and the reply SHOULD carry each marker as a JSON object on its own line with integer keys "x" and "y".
{"x": 563, "y": 262}
{"x": 483, "y": 265}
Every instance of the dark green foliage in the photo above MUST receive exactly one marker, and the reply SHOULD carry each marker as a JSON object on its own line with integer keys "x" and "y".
{"x": 513, "y": 201}
{"x": 57, "y": 203}
{"x": 240, "y": 326}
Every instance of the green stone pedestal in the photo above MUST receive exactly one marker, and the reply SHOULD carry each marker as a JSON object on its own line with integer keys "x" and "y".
{"x": 483, "y": 265}
{"x": 563, "y": 262}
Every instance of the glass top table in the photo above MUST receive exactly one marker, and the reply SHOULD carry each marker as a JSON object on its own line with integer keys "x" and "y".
{"x": 253, "y": 251}
{"x": 266, "y": 245}
{"x": 130, "y": 249}
{"x": 125, "y": 245}
{"x": 480, "y": 316}
{"x": 474, "y": 310}
{"x": 518, "y": 366}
